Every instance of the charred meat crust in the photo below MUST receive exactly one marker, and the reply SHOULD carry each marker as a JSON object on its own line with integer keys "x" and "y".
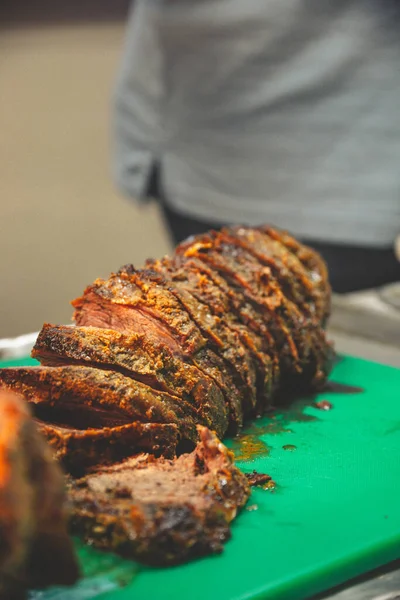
{"x": 149, "y": 306}
{"x": 257, "y": 285}
{"x": 239, "y": 304}
{"x": 208, "y": 356}
{"x": 307, "y": 331}
{"x": 137, "y": 357}
{"x": 313, "y": 263}
{"x": 231, "y": 305}
{"x": 93, "y": 398}
{"x": 292, "y": 276}
{"x": 193, "y": 276}
{"x": 301, "y": 339}
{"x": 148, "y": 309}
{"x": 224, "y": 341}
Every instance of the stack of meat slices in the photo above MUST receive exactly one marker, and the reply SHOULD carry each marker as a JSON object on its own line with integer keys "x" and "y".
{"x": 212, "y": 336}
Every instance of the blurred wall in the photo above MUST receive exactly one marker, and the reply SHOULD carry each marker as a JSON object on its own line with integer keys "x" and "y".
{"x": 62, "y": 222}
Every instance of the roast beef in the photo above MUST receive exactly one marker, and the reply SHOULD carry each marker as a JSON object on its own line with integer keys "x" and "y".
{"x": 224, "y": 341}
{"x": 287, "y": 269}
{"x": 230, "y": 304}
{"x": 304, "y": 324}
{"x": 84, "y": 397}
{"x": 136, "y": 356}
{"x": 126, "y": 303}
{"x": 254, "y": 366}
{"x": 315, "y": 266}
{"x": 161, "y": 511}
{"x": 146, "y": 303}
{"x": 229, "y": 325}
{"x": 35, "y": 550}
{"x": 79, "y": 449}
{"x": 300, "y": 338}
{"x": 257, "y": 285}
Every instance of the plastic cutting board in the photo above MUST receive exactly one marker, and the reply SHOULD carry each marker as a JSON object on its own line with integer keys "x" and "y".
{"x": 334, "y": 514}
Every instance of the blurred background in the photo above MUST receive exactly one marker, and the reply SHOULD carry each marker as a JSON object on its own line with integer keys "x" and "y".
{"x": 62, "y": 221}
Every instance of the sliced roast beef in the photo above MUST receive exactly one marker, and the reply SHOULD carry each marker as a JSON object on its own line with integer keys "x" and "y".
{"x": 138, "y": 357}
{"x": 223, "y": 340}
{"x": 287, "y": 269}
{"x": 189, "y": 275}
{"x": 301, "y": 340}
{"x": 227, "y": 298}
{"x": 257, "y": 284}
{"x": 35, "y": 550}
{"x": 207, "y": 357}
{"x": 232, "y": 300}
{"x": 305, "y": 328}
{"x": 314, "y": 265}
{"x": 209, "y": 263}
{"x": 84, "y": 397}
{"x": 228, "y": 325}
{"x": 159, "y": 511}
{"x": 128, "y": 304}
{"x": 78, "y": 449}
{"x": 137, "y": 293}
{"x": 298, "y": 285}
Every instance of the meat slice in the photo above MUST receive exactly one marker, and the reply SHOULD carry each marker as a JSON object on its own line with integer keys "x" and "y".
{"x": 35, "y": 550}
{"x": 189, "y": 276}
{"x": 136, "y": 293}
{"x": 78, "y": 449}
{"x": 292, "y": 276}
{"x": 301, "y": 341}
{"x": 305, "y": 328}
{"x": 227, "y": 300}
{"x": 224, "y": 341}
{"x": 257, "y": 285}
{"x": 128, "y": 304}
{"x": 307, "y": 291}
{"x": 159, "y": 511}
{"x": 313, "y": 263}
{"x": 208, "y": 358}
{"x": 84, "y": 397}
{"x": 136, "y": 356}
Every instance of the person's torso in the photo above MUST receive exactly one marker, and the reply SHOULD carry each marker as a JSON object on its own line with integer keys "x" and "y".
{"x": 283, "y": 108}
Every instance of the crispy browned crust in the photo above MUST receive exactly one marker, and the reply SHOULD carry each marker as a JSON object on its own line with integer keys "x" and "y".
{"x": 144, "y": 308}
{"x": 85, "y": 397}
{"x": 138, "y": 357}
{"x": 263, "y": 272}
{"x": 208, "y": 288}
{"x": 136, "y": 301}
{"x": 246, "y": 306}
{"x": 313, "y": 263}
{"x": 224, "y": 340}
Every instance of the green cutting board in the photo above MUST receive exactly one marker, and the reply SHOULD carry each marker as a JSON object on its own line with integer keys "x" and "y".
{"x": 334, "y": 514}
